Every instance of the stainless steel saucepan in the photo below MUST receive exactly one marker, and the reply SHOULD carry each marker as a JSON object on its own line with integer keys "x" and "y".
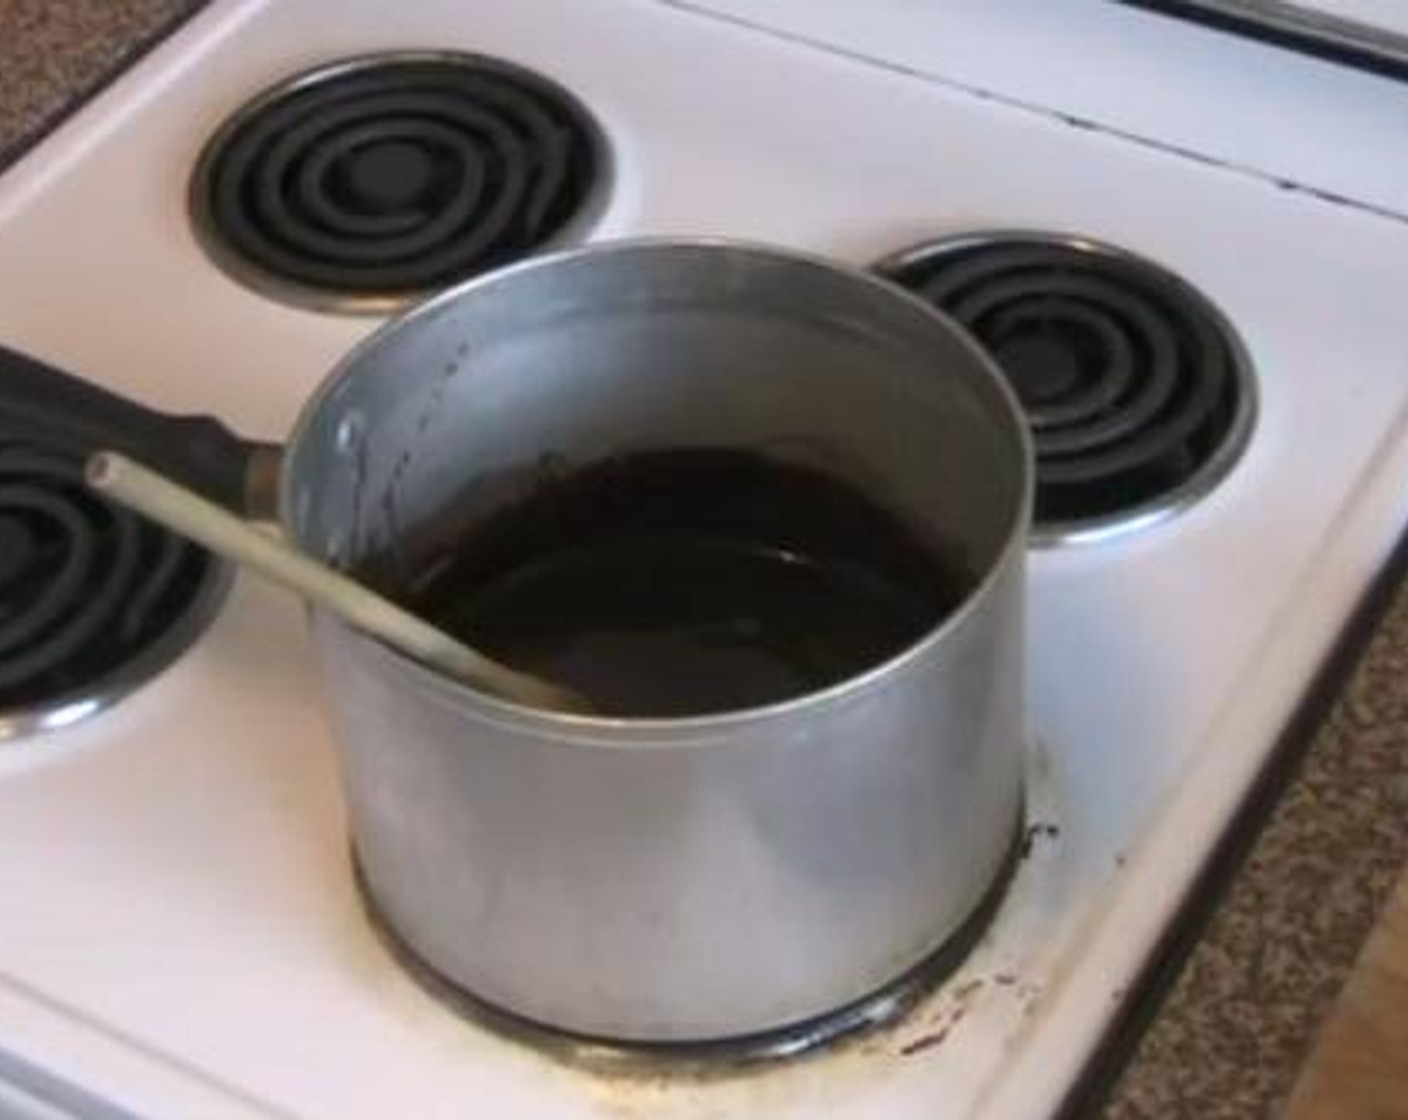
{"x": 649, "y": 880}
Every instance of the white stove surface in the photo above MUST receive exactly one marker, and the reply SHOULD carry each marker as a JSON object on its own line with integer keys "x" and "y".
{"x": 182, "y": 937}
{"x": 1300, "y": 123}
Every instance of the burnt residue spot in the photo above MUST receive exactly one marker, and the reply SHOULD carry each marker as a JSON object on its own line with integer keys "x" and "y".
{"x": 925, "y": 1042}
{"x": 1004, "y": 980}
{"x": 956, "y": 1011}
{"x": 967, "y": 989}
{"x": 1037, "y": 830}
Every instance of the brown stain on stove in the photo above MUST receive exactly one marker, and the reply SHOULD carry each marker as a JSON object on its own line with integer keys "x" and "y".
{"x": 934, "y": 1026}
{"x": 658, "y": 1089}
{"x": 925, "y": 1042}
{"x": 812, "y": 1083}
{"x": 937, "y": 1037}
{"x": 966, "y": 991}
{"x": 654, "y": 1084}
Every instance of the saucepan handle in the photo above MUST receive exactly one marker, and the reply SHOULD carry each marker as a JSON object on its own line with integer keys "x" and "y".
{"x": 41, "y": 402}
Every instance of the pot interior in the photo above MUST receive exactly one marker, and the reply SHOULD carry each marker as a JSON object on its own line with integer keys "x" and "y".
{"x": 470, "y": 405}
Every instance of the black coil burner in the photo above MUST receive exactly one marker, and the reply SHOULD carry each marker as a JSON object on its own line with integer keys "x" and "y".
{"x": 366, "y": 184}
{"x": 1137, "y": 392}
{"x": 93, "y": 600}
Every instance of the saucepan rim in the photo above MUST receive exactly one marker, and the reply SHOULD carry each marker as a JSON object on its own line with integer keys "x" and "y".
{"x": 980, "y": 368}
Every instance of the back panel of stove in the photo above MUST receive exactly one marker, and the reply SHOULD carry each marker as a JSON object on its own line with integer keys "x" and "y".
{"x": 1294, "y": 121}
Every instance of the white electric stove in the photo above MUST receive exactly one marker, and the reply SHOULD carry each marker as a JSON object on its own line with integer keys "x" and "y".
{"x": 182, "y": 936}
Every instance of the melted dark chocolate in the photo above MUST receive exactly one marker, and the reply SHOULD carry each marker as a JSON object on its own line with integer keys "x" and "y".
{"x": 687, "y": 582}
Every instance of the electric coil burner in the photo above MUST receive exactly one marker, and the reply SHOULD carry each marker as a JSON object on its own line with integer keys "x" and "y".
{"x": 364, "y": 185}
{"x": 1138, "y": 393}
{"x": 93, "y": 600}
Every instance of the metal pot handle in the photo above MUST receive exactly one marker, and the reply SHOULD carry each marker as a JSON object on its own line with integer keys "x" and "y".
{"x": 198, "y": 451}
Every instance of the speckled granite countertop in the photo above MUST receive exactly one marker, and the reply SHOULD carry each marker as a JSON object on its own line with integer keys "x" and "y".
{"x": 1229, "y": 1037}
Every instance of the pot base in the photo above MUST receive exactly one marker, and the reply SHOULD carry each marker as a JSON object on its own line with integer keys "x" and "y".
{"x": 877, "y": 1009}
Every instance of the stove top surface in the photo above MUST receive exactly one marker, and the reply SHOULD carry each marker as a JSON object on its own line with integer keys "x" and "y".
{"x": 191, "y": 941}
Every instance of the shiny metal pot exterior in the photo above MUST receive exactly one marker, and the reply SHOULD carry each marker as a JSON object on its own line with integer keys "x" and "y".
{"x": 683, "y": 879}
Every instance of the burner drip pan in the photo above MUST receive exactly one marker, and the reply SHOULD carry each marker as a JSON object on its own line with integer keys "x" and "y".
{"x": 369, "y": 183}
{"x": 93, "y": 599}
{"x": 1138, "y": 393}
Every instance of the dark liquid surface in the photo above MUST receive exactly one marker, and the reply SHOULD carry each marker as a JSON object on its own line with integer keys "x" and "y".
{"x": 682, "y": 583}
